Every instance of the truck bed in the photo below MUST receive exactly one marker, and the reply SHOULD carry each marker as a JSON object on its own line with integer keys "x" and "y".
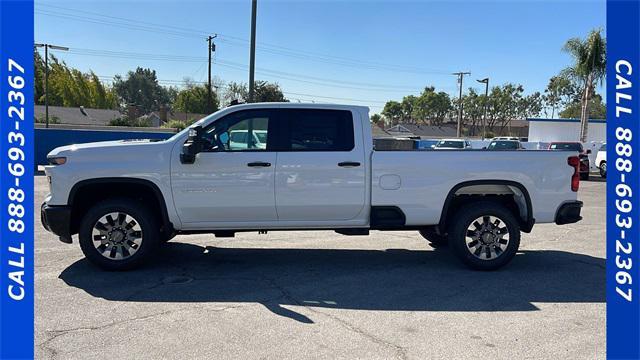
{"x": 418, "y": 182}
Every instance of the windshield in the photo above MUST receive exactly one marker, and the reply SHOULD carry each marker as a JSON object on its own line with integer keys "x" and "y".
{"x": 503, "y": 145}
{"x": 566, "y": 146}
{"x": 450, "y": 144}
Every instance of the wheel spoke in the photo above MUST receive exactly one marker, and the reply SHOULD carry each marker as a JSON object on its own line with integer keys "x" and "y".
{"x": 101, "y": 226}
{"x": 131, "y": 224}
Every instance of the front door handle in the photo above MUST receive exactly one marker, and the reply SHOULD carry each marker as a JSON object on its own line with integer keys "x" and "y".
{"x": 258, "y": 164}
{"x": 349, "y": 164}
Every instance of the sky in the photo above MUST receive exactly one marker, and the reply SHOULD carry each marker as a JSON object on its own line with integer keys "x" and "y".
{"x": 352, "y": 52}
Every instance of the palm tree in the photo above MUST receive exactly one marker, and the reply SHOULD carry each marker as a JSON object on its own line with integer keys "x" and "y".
{"x": 589, "y": 68}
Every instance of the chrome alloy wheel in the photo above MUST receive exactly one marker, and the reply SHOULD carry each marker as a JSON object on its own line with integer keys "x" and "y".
{"x": 487, "y": 237}
{"x": 117, "y": 236}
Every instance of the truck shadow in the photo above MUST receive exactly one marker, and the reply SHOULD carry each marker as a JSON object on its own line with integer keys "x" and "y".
{"x": 389, "y": 280}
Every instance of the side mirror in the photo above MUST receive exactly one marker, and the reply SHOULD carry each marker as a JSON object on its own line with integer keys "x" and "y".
{"x": 484, "y": 148}
{"x": 192, "y": 146}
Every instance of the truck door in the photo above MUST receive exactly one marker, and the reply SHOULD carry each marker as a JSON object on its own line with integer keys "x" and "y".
{"x": 320, "y": 172}
{"x": 233, "y": 180}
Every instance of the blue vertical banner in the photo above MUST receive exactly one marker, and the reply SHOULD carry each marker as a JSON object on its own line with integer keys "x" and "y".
{"x": 623, "y": 179}
{"x": 16, "y": 179}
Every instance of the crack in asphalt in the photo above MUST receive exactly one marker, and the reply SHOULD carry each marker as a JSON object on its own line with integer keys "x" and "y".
{"x": 399, "y": 350}
{"x": 54, "y": 334}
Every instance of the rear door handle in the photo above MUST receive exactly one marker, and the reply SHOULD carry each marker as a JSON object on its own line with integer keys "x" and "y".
{"x": 349, "y": 164}
{"x": 258, "y": 164}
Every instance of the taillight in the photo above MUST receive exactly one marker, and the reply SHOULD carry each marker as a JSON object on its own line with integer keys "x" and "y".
{"x": 574, "y": 162}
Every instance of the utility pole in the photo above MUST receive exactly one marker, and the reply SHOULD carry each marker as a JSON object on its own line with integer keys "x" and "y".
{"x": 212, "y": 49}
{"x": 460, "y": 77}
{"x": 252, "y": 55}
{"x": 486, "y": 101}
{"x": 46, "y": 76}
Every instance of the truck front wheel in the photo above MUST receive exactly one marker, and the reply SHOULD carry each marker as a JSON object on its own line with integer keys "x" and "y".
{"x": 118, "y": 234}
{"x": 484, "y": 235}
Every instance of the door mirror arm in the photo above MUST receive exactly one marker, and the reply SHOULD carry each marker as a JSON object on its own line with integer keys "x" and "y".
{"x": 193, "y": 145}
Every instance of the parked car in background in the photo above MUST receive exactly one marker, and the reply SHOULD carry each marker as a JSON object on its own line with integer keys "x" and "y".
{"x": 506, "y": 138}
{"x": 601, "y": 160}
{"x": 238, "y": 139}
{"x": 504, "y": 145}
{"x": 453, "y": 144}
{"x": 426, "y": 144}
{"x": 582, "y": 154}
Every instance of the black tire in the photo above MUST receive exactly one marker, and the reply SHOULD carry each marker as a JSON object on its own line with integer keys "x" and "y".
{"x": 466, "y": 217}
{"x": 584, "y": 176}
{"x": 145, "y": 219}
{"x": 434, "y": 238}
{"x": 603, "y": 169}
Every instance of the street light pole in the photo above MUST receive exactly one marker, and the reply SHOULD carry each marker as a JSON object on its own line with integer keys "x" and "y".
{"x": 46, "y": 77}
{"x": 486, "y": 101}
{"x": 252, "y": 54}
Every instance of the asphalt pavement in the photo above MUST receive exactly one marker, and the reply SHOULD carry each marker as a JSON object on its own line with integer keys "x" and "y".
{"x": 321, "y": 295}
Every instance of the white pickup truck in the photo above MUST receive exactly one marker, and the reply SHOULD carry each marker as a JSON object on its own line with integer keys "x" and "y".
{"x": 315, "y": 170}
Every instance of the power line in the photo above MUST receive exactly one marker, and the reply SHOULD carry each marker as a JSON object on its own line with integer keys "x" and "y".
{"x": 178, "y": 82}
{"x": 240, "y": 66}
{"x": 232, "y": 40}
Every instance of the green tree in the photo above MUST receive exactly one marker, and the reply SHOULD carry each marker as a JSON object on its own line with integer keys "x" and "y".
{"x": 141, "y": 88}
{"x": 507, "y": 103}
{"x": 268, "y": 92}
{"x": 393, "y": 112}
{"x": 376, "y": 119}
{"x": 71, "y": 87}
{"x": 589, "y": 68}
{"x": 193, "y": 99}
{"x": 597, "y": 109}
{"x": 264, "y": 92}
{"x": 559, "y": 93}
{"x": 472, "y": 110}
{"x": 432, "y": 106}
{"x": 408, "y": 104}
{"x": 38, "y": 89}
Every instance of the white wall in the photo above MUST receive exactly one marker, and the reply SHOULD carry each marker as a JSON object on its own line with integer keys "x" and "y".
{"x": 564, "y": 130}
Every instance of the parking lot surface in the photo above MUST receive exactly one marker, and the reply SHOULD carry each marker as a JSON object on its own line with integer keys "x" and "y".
{"x": 322, "y": 295}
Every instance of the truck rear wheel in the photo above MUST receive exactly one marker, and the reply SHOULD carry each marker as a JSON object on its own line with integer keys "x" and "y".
{"x": 118, "y": 234}
{"x": 485, "y": 235}
{"x": 434, "y": 238}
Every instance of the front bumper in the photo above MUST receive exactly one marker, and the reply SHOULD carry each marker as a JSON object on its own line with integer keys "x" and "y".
{"x": 57, "y": 219}
{"x": 569, "y": 213}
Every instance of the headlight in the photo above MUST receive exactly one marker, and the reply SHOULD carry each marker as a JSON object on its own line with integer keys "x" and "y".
{"x": 58, "y": 160}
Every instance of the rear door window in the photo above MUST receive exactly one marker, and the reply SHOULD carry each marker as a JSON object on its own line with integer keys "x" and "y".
{"x": 318, "y": 130}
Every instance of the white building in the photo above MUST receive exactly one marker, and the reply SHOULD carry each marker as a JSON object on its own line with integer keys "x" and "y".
{"x": 549, "y": 130}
